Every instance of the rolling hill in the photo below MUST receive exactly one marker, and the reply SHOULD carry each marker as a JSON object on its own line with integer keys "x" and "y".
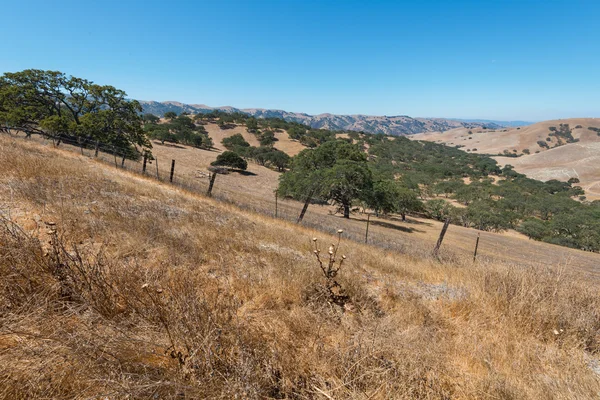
{"x": 389, "y": 125}
{"x": 547, "y": 159}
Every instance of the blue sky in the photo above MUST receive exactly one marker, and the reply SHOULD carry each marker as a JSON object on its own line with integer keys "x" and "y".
{"x": 505, "y": 59}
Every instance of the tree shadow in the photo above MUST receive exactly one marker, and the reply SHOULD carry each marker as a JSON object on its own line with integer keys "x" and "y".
{"x": 396, "y": 227}
{"x": 175, "y": 146}
{"x": 245, "y": 173}
{"x": 409, "y": 221}
{"x": 212, "y": 149}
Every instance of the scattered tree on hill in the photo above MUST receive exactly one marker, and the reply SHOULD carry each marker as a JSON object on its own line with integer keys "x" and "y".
{"x": 150, "y": 118}
{"x": 347, "y": 180}
{"x": 252, "y": 125}
{"x": 267, "y": 138}
{"x": 389, "y": 196}
{"x": 267, "y": 156}
{"x": 181, "y": 129}
{"x": 231, "y": 160}
{"x": 170, "y": 115}
{"x": 336, "y": 170}
{"x": 407, "y": 202}
{"x": 236, "y": 143}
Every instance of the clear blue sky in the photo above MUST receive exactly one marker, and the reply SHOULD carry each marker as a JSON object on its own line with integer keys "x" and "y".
{"x": 504, "y": 59}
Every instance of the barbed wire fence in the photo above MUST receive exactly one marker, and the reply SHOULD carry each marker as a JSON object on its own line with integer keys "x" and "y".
{"x": 166, "y": 171}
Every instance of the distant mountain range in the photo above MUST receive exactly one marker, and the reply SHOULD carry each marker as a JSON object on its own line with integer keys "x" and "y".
{"x": 389, "y": 125}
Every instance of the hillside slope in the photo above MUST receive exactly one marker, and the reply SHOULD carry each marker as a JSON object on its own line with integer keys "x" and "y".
{"x": 569, "y": 160}
{"x": 389, "y": 125}
{"x": 114, "y": 285}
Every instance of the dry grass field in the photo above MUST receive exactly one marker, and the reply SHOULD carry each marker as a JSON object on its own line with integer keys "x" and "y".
{"x": 255, "y": 191}
{"x": 114, "y": 285}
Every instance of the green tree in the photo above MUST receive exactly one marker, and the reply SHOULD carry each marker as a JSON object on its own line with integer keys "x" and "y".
{"x": 407, "y": 201}
{"x": 252, "y": 125}
{"x": 236, "y": 143}
{"x": 317, "y": 173}
{"x": 230, "y": 159}
{"x": 170, "y": 115}
{"x": 149, "y": 118}
{"x": 279, "y": 159}
{"x": 534, "y": 228}
{"x": 438, "y": 209}
{"x": 46, "y": 102}
{"x": 383, "y": 198}
{"x": 348, "y": 180}
{"x": 161, "y": 132}
{"x": 267, "y": 138}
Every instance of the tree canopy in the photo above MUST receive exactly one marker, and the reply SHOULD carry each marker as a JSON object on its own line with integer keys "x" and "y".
{"x": 336, "y": 171}
{"x": 230, "y": 159}
{"x": 56, "y": 105}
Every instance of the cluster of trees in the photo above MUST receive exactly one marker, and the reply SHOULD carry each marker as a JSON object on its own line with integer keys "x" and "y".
{"x": 339, "y": 171}
{"x": 177, "y": 129}
{"x": 59, "y": 106}
{"x": 265, "y": 128}
{"x": 264, "y": 155}
{"x": 397, "y": 175}
{"x": 578, "y": 228}
{"x": 563, "y": 133}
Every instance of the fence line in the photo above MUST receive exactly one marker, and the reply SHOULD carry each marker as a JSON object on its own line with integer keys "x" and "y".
{"x": 109, "y": 154}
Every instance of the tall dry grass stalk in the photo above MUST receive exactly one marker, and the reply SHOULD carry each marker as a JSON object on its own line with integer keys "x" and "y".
{"x": 114, "y": 286}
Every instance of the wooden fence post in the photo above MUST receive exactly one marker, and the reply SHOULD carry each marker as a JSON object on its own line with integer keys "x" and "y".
{"x": 115, "y": 154}
{"x": 211, "y": 184}
{"x": 275, "y": 203}
{"x": 172, "y": 171}
{"x": 156, "y": 161}
{"x": 476, "y": 246}
{"x": 97, "y": 148}
{"x": 304, "y": 208}
{"x": 144, "y": 165}
{"x": 367, "y": 231}
{"x": 441, "y": 238}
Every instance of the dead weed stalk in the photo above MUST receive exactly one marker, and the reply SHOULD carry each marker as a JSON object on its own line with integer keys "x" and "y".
{"x": 330, "y": 268}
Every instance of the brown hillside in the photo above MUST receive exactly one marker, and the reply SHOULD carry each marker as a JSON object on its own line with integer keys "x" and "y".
{"x": 115, "y": 286}
{"x": 572, "y": 160}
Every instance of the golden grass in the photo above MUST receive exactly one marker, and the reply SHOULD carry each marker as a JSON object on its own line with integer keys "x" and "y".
{"x": 143, "y": 290}
{"x": 417, "y": 236}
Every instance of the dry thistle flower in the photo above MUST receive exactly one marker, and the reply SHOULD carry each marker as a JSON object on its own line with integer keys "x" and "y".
{"x": 340, "y": 231}
{"x": 314, "y": 239}
{"x": 330, "y": 269}
{"x": 145, "y": 286}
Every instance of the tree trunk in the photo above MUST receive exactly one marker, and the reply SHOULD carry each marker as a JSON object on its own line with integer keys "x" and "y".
{"x": 346, "y": 211}
{"x": 304, "y": 208}
{"x": 403, "y": 217}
